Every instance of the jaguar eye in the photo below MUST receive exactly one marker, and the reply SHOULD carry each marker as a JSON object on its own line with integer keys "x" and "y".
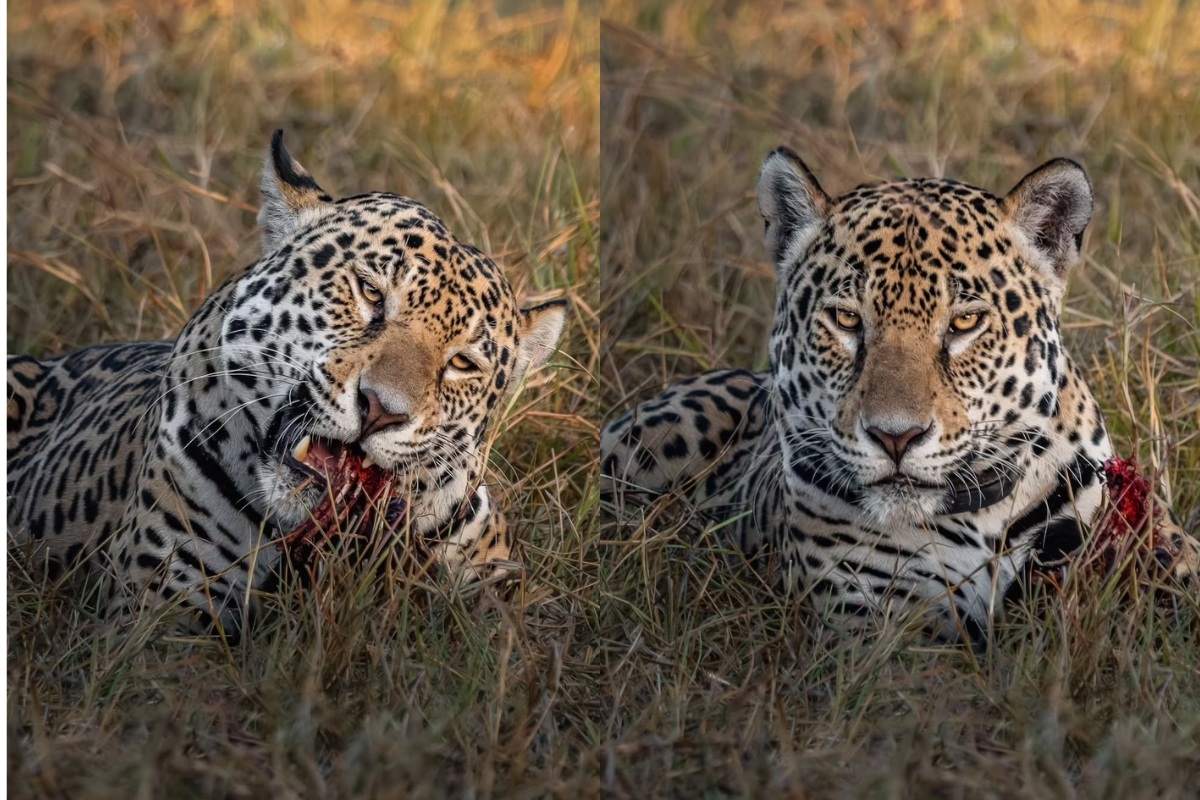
{"x": 964, "y": 323}
{"x": 845, "y": 319}
{"x": 370, "y": 293}
{"x": 463, "y": 364}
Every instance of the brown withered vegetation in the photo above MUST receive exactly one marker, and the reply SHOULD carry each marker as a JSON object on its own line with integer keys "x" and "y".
{"x": 1091, "y": 694}
{"x": 613, "y": 164}
{"x": 136, "y": 137}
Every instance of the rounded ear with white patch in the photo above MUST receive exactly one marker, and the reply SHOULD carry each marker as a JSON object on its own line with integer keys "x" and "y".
{"x": 1052, "y": 206}
{"x": 792, "y": 204}
{"x": 290, "y": 197}
{"x": 541, "y": 327}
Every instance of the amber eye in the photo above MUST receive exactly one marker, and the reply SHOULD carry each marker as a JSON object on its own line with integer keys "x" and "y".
{"x": 370, "y": 293}
{"x": 964, "y": 323}
{"x": 462, "y": 363}
{"x": 846, "y": 320}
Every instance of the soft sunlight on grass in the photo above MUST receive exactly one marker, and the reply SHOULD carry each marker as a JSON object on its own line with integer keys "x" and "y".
{"x": 614, "y": 165}
{"x": 136, "y": 137}
{"x": 1088, "y": 695}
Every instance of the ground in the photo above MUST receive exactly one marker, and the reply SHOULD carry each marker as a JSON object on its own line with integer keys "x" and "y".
{"x": 632, "y": 663}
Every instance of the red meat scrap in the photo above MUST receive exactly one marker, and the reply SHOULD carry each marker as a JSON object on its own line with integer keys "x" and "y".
{"x": 1138, "y": 522}
{"x": 357, "y": 499}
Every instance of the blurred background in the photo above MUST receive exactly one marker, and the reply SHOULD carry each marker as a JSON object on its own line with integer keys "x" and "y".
{"x": 695, "y": 94}
{"x": 137, "y": 129}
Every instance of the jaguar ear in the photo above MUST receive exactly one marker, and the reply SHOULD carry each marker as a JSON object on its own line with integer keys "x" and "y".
{"x": 290, "y": 196}
{"x": 541, "y": 327}
{"x": 1052, "y": 206}
{"x": 792, "y": 204}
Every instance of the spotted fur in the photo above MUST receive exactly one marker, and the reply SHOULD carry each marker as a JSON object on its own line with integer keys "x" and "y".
{"x": 921, "y": 433}
{"x": 366, "y": 324}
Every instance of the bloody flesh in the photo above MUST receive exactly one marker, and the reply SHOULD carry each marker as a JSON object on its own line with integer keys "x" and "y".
{"x": 355, "y": 496}
{"x": 1140, "y": 524}
{"x": 1129, "y": 494}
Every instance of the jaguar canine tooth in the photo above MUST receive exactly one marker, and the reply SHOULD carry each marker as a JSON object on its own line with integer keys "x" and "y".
{"x": 301, "y": 451}
{"x": 368, "y": 462}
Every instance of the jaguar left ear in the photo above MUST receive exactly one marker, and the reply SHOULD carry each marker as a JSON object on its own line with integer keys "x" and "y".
{"x": 290, "y": 196}
{"x": 541, "y": 327}
{"x": 1052, "y": 206}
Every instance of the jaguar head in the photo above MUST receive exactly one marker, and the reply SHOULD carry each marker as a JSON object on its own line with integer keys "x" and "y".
{"x": 367, "y": 327}
{"x": 916, "y": 351}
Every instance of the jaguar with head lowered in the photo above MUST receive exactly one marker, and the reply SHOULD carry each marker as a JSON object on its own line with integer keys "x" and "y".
{"x": 921, "y": 432}
{"x": 366, "y": 328}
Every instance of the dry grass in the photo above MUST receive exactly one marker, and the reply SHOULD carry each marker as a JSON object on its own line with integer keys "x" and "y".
{"x": 636, "y": 666}
{"x": 1096, "y": 697}
{"x": 136, "y": 134}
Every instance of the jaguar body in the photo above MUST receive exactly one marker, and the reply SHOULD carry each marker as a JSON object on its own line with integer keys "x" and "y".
{"x": 921, "y": 433}
{"x": 366, "y": 326}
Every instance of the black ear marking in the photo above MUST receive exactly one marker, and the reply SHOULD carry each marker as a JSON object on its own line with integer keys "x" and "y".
{"x": 288, "y": 170}
{"x": 290, "y": 195}
{"x": 556, "y": 303}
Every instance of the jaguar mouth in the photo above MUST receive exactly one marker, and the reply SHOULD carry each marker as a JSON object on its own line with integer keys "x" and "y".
{"x": 902, "y": 481}
{"x": 327, "y": 488}
{"x": 985, "y": 487}
{"x": 962, "y": 493}
{"x": 312, "y": 458}
{"x": 319, "y": 458}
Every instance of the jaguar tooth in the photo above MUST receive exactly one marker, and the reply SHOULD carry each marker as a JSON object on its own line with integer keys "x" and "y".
{"x": 368, "y": 462}
{"x": 301, "y": 451}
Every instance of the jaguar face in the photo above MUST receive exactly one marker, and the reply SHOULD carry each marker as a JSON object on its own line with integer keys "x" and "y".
{"x": 368, "y": 328}
{"x": 916, "y": 350}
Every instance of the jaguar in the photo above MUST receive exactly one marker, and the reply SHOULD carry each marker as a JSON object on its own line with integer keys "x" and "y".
{"x": 173, "y": 468}
{"x": 921, "y": 437}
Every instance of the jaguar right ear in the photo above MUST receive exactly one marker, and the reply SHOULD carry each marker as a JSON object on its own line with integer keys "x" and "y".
{"x": 541, "y": 327}
{"x": 290, "y": 196}
{"x": 792, "y": 204}
{"x": 1052, "y": 206}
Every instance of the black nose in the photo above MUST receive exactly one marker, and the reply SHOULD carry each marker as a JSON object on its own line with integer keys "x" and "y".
{"x": 896, "y": 444}
{"x": 374, "y": 416}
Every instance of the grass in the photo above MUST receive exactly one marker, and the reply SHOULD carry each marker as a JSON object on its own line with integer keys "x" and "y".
{"x": 136, "y": 137}
{"x": 614, "y": 165}
{"x": 1096, "y": 695}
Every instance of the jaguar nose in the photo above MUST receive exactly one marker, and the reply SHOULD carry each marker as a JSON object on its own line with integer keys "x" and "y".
{"x": 896, "y": 443}
{"x": 374, "y": 417}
